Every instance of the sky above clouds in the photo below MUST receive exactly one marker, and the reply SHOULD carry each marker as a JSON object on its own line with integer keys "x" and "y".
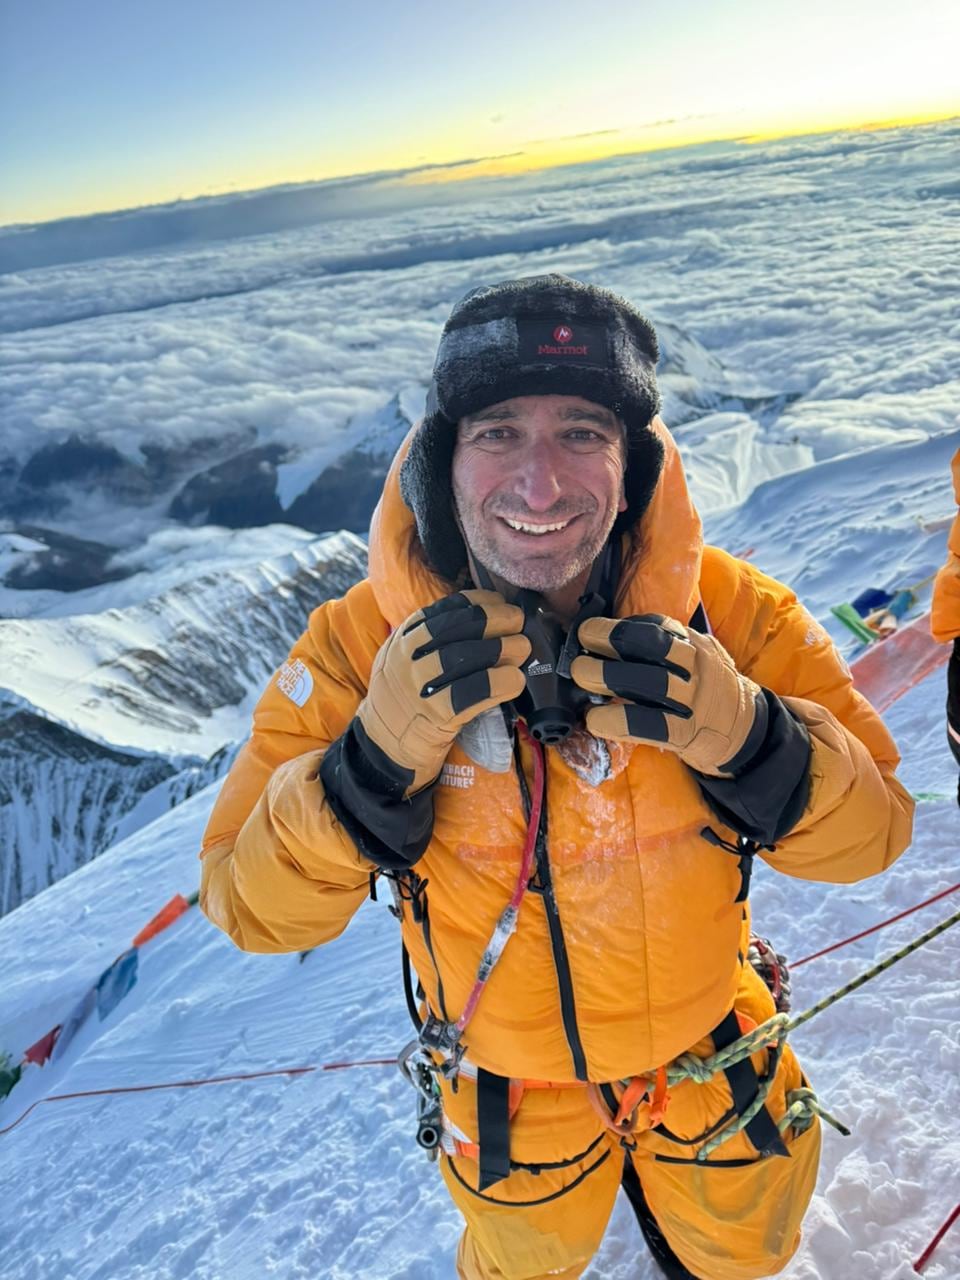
{"x": 114, "y": 105}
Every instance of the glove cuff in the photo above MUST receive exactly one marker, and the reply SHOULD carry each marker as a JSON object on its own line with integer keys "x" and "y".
{"x": 359, "y": 778}
{"x": 766, "y": 796}
{"x": 753, "y": 743}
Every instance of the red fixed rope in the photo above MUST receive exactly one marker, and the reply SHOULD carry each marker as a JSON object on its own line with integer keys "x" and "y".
{"x": 927, "y": 1254}
{"x": 795, "y": 964}
{"x": 196, "y": 1084}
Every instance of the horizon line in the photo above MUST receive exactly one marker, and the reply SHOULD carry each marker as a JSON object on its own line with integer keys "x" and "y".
{"x": 744, "y": 138}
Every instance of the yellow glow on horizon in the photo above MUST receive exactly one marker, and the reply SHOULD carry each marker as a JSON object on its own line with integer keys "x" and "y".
{"x": 523, "y": 157}
{"x": 817, "y": 125}
{"x": 620, "y": 142}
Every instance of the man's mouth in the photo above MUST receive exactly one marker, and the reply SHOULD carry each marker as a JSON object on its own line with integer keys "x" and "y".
{"x": 538, "y": 530}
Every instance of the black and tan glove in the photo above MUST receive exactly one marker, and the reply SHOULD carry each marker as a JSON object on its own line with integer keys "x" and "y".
{"x": 445, "y": 665}
{"x": 442, "y": 667}
{"x": 679, "y": 690}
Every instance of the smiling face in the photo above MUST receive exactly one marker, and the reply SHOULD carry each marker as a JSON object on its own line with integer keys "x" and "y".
{"x": 538, "y": 483}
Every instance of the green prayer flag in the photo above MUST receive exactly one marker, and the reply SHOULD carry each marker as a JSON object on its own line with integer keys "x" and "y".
{"x": 9, "y": 1075}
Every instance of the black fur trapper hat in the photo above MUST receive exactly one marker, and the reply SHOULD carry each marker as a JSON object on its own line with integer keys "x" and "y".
{"x": 540, "y": 335}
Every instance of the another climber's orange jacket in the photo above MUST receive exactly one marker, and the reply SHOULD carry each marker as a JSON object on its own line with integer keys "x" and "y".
{"x": 648, "y": 908}
{"x": 945, "y": 609}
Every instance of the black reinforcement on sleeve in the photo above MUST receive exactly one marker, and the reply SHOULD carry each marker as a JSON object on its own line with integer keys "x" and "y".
{"x": 766, "y": 797}
{"x": 364, "y": 788}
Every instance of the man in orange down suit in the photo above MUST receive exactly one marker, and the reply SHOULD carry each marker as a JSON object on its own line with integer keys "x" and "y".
{"x": 945, "y": 620}
{"x": 570, "y": 862}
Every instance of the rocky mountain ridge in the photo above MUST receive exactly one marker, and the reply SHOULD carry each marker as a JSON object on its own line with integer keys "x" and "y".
{"x": 107, "y": 719}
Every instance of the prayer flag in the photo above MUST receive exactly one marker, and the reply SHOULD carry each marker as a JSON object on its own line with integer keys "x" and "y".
{"x": 116, "y": 982}
{"x": 77, "y": 1018}
{"x": 165, "y": 916}
{"x": 38, "y": 1053}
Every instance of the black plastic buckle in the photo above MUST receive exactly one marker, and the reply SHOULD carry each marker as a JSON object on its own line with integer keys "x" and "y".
{"x": 439, "y": 1035}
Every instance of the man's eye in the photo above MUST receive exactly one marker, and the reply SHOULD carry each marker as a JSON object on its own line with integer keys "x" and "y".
{"x": 494, "y": 433}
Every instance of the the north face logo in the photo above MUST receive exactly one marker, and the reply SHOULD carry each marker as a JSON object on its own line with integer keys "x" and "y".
{"x": 295, "y": 681}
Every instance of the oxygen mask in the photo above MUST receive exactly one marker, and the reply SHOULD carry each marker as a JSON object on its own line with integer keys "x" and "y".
{"x": 551, "y": 704}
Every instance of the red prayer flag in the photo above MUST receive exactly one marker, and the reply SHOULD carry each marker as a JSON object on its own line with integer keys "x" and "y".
{"x": 41, "y": 1051}
{"x": 172, "y": 911}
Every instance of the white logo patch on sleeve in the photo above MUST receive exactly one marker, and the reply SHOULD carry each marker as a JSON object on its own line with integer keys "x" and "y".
{"x": 295, "y": 681}
{"x": 818, "y": 634}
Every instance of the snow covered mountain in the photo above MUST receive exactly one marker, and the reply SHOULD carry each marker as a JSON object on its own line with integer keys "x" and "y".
{"x": 109, "y": 718}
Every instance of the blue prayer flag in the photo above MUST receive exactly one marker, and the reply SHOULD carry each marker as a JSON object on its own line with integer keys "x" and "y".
{"x": 116, "y": 982}
{"x": 78, "y": 1017}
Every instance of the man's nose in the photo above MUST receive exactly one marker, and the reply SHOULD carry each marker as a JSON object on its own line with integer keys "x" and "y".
{"x": 538, "y": 480}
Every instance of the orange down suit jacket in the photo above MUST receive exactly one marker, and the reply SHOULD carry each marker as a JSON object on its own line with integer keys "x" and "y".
{"x": 648, "y": 907}
{"x": 945, "y": 608}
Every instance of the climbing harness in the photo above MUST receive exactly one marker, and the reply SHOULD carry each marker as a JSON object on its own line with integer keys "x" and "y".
{"x": 802, "y": 1104}
{"x": 619, "y": 1104}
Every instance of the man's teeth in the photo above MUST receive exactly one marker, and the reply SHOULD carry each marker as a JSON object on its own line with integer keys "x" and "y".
{"x": 536, "y": 528}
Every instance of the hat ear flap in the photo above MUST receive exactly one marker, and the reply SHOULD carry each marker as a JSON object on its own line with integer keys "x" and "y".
{"x": 427, "y": 489}
{"x": 645, "y": 454}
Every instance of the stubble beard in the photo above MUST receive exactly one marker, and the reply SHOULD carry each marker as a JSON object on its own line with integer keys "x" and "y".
{"x": 535, "y": 572}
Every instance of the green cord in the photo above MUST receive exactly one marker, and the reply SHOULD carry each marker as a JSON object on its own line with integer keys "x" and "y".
{"x": 802, "y": 1104}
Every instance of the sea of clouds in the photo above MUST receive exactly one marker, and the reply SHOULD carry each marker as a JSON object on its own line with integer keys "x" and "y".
{"x": 823, "y": 269}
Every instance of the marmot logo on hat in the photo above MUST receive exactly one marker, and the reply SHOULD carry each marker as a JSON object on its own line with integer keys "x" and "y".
{"x": 543, "y": 341}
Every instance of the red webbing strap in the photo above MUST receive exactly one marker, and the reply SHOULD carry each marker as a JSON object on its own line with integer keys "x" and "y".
{"x": 496, "y": 944}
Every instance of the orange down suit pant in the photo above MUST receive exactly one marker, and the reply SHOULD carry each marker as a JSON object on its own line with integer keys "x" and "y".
{"x": 738, "y": 1218}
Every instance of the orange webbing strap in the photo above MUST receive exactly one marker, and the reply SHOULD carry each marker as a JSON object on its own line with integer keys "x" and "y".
{"x": 630, "y": 1099}
{"x": 631, "y": 1116}
{"x": 469, "y": 1149}
{"x": 660, "y": 1099}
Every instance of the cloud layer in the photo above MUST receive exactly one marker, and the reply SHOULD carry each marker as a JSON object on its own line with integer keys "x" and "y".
{"x": 823, "y": 270}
